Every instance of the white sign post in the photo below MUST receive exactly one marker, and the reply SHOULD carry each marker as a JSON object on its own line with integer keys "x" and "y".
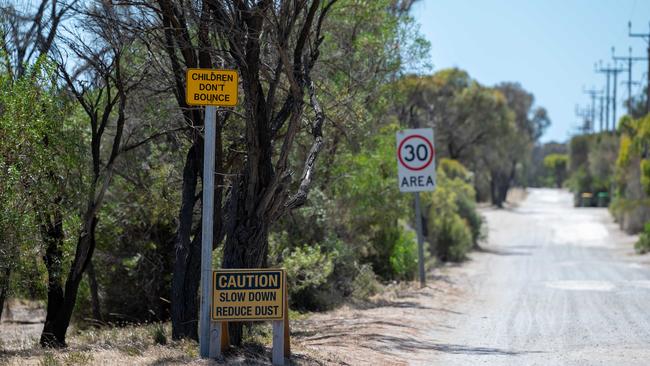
{"x": 416, "y": 167}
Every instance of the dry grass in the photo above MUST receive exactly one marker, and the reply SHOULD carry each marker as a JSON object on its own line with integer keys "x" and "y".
{"x": 132, "y": 345}
{"x": 148, "y": 344}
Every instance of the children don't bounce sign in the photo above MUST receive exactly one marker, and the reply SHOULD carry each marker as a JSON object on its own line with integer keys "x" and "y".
{"x": 416, "y": 160}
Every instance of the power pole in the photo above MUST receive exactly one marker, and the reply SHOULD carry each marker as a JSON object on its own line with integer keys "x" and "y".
{"x": 646, "y": 37}
{"x": 609, "y": 71}
{"x": 593, "y": 93}
{"x": 587, "y": 123}
{"x": 629, "y": 83}
{"x": 601, "y": 102}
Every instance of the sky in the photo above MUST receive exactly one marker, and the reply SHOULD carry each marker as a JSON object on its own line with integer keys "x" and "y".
{"x": 548, "y": 46}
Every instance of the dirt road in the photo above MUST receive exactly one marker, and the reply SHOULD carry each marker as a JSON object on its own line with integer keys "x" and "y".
{"x": 556, "y": 285}
{"x": 563, "y": 288}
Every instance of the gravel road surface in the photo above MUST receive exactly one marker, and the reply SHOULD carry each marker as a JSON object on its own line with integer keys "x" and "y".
{"x": 559, "y": 286}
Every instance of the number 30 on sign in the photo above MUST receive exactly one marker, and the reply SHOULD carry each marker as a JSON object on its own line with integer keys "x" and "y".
{"x": 416, "y": 160}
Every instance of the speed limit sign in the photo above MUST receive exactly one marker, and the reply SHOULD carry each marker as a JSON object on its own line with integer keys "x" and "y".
{"x": 416, "y": 160}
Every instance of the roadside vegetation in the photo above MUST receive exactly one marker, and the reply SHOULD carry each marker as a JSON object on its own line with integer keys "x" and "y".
{"x": 100, "y": 160}
{"x": 611, "y": 169}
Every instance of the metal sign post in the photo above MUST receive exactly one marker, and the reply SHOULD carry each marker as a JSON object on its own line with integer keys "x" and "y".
{"x": 418, "y": 228}
{"x": 206, "y": 229}
{"x": 417, "y": 173}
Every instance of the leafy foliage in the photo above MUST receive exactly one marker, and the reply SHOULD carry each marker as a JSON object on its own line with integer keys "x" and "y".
{"x": 454, "y": 226}
{"x": 642, "y": 246}
{"x": 557, "y": 166}
{"x": 38, "y": 154}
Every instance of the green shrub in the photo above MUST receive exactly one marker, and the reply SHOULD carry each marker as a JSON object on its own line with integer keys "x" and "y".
{"x": 453, "y": 238}
{"x": 308, "y": 271}
{"x": 450, "y": 234}
{"x": 158, "y": 334}
{"x": 556, "y": 165}
{"x": 468, "y": 212}
{"x": 404, "y": 256}
{"x": 308, "y": 267}
{"x": 365, "y": 284}
{"x": 453, "y": 169}
{"x": 645, "y": 175}
{"x": 642, "y": 246}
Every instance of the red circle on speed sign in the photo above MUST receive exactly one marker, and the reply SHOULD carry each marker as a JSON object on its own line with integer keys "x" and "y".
{"x": 426, "y": 163}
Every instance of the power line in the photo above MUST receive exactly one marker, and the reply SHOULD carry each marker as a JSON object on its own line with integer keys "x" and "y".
{"x": 587, "y": 122}
{"x": 593, "y": 93}
{"x": 629, "y": 60}
{"x": 609, "y": 71}
{"x": 645, "y": 37}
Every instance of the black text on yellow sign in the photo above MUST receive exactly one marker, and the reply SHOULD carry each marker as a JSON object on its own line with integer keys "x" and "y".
{"x": 248, "y": 294}
{"x": 212, "y": 87}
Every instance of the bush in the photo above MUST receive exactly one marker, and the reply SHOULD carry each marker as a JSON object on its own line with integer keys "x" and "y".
{"x": 404, "y": 256}
{"x": 453, "y": 238}
{"x": 308, "y": 267}
{"x": 158, "y": 334}
{"x": 365, "y": 284}
{"x": 454, "y": 225}
{"x": 556, "y": 165}
{"x": 467, "y": 211}
{"x": 642, "y": 246}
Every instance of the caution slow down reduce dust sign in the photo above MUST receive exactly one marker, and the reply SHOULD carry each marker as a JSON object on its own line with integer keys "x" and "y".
{"x": 416, "y": 160}
{"x": 251, "y": 294}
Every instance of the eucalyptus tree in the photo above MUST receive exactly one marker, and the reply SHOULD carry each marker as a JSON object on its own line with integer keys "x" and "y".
{"x": 99, "y": 74}
{"x": 274, "y": 46}
{"x": 530, "y": 122}
{"x": 27, "y": 35}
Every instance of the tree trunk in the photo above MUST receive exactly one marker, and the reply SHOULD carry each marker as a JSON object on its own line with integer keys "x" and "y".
{"x": 61, "y": 304}
{"x": 4, "y": 288}
{"x": 52, "y": 234}
{"x": 246, "y": 247}
{"x": 494, "y": 197}
{"x": 94, "y": 292}
{"x": 185, "y": 282}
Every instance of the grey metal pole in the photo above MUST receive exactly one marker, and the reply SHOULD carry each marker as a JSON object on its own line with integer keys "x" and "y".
{"x": 647, "y": 90}
{"x": 206, "y": 229}
{"x": 601, "y": 113}
{"x": 614, "y": 101}
{"x": 418, "y": 227}
{"x": 607, "y": 104}
{"x": 629, "y": 82}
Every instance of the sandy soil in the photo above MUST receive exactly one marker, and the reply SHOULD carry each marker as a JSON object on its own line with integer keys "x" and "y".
{"x": 394, "y": 329}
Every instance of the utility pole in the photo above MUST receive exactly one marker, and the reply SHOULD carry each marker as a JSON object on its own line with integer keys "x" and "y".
{"x": 601, "y": 103}
{"x": 593, "y": 93}
{"x": 646, "y": 37}
{"x": 587, "y": 123}
{"x": 616, "y": 71}
{"x": 609, "y": 71}
{"x": 629, "y": 83}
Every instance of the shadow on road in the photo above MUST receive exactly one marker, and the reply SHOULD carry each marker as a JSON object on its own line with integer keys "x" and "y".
{"x": 399, "y": 345}
{"x": 502, "y": 252}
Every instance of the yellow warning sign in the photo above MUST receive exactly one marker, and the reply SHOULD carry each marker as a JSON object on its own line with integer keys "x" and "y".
{"x": 248, "y": 294}
{"x": 212, "y": 87}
